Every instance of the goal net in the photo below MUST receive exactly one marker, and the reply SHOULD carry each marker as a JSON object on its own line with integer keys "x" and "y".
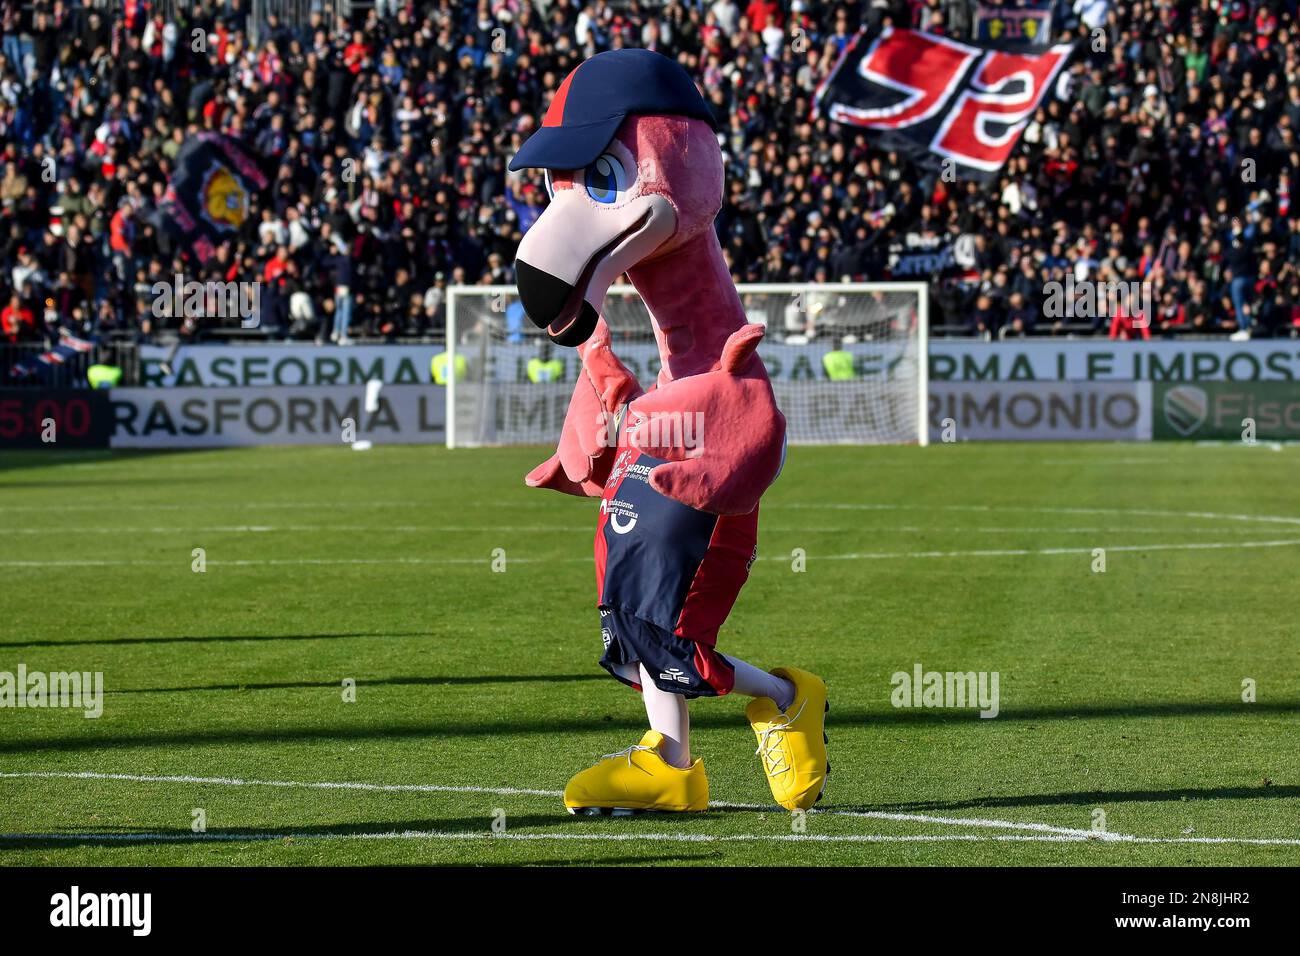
{"x": 847, "y": 361}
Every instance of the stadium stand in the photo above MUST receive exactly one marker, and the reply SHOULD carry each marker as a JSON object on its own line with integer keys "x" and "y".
{"x": 1132, "y": 169}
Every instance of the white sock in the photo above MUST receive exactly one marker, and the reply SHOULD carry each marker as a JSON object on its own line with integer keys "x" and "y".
{"x": 753, "y": 682}
{"x": 668, "y": 715}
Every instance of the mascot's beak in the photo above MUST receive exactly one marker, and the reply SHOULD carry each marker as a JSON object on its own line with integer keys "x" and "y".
{"x": 576, "y": 249}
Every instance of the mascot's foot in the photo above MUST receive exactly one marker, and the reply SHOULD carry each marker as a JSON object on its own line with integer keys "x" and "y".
{"x": 792, "y": 745}
{"x": 637, "y": 779}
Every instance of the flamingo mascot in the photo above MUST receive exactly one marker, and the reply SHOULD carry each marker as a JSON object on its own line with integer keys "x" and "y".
{"x": 635, "y": 175}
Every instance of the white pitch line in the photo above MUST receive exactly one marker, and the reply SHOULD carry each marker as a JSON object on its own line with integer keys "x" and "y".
{"x": 302, "y": 528}
{"x": 946, "y": 821}
{"x": 538, "y": 504}
{"x": 274, "y": 562}
{"x": 1145, "y": 512}
{"x": 514, "y": 791}
{"x": 1023, "y": 552}
{"x": 852, "y": 556}
{"x": 588, "y": 529}
{"x": 241, "y": 506}
{"x": 991, "y": 824}
{"x": 633, "y": 837}
{"x": 1037, "y": 832}
{"x": 258, "y": 505}
{"x": 604, "y": 837}
{"x": 1090, "y": 462}
{"x": 310, "y": 785}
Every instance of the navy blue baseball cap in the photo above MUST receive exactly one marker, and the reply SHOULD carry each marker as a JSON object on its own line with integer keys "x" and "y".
{"x": 597, "y": 96}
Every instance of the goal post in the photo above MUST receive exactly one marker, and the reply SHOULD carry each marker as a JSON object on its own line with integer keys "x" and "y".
{"x": 848, "y": 361}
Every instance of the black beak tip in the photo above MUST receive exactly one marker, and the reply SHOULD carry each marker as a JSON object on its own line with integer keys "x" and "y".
{"x": 544, "y": 298}
{"x": 579, "y": 330}
{"x": 542, "y": 294}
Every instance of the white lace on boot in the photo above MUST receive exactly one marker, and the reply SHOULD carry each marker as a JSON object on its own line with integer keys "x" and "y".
{"x": 770, "y": 740}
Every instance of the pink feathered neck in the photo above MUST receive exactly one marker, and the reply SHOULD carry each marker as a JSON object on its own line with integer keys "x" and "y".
{"x": 693, "y": 304}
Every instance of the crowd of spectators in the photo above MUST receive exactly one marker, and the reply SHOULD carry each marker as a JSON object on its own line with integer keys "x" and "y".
{"x": 1166, "y": 153}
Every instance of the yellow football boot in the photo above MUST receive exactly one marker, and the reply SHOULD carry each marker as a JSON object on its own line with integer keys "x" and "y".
{"x": 792, "y": 745}
{"x": 637, "y": 779}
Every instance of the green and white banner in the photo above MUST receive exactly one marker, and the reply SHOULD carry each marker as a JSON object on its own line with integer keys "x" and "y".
{"x": 951, "y": 360}
{"x": 253, "y": 366}
{"x": 1227, "y": 411}
{"x": 293, "y": 364}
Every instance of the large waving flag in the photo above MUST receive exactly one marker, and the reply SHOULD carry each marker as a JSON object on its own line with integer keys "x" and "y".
{"x": 209, "y": 195}
{"x": 943, "y": 103}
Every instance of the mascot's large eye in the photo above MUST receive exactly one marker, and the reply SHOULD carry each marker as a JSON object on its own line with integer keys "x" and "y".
{"x": 605, "y": 179}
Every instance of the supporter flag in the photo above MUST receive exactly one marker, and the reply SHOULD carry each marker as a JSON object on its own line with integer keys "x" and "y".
{"x": 945, "y": 104}
{"x": 210, "y": 193}
{"x": 1026, "y": 25}
{"x": 65, "y": 360}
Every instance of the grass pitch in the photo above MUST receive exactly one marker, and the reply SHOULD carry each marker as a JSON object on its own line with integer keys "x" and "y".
{"x": 478, "y": 694}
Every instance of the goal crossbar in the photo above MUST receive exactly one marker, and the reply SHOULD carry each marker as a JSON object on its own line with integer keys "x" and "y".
{"x": 503, "y": 386}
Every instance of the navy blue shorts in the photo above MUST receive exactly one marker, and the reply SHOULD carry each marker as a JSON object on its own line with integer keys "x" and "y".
{"x": 664, "y": 562}
{"x": 677, "y": 664}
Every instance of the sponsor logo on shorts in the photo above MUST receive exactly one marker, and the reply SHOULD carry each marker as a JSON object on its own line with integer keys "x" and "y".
{"x": 606, "y": 636}
{"x": 675, "y": 674}
{"x": 622, "y": 516}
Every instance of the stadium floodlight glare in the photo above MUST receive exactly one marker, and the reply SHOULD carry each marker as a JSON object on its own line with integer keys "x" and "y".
{"x": 848, "y": 361}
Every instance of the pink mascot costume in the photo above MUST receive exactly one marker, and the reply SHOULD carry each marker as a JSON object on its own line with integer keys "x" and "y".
{"x": 635, "y": 176}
